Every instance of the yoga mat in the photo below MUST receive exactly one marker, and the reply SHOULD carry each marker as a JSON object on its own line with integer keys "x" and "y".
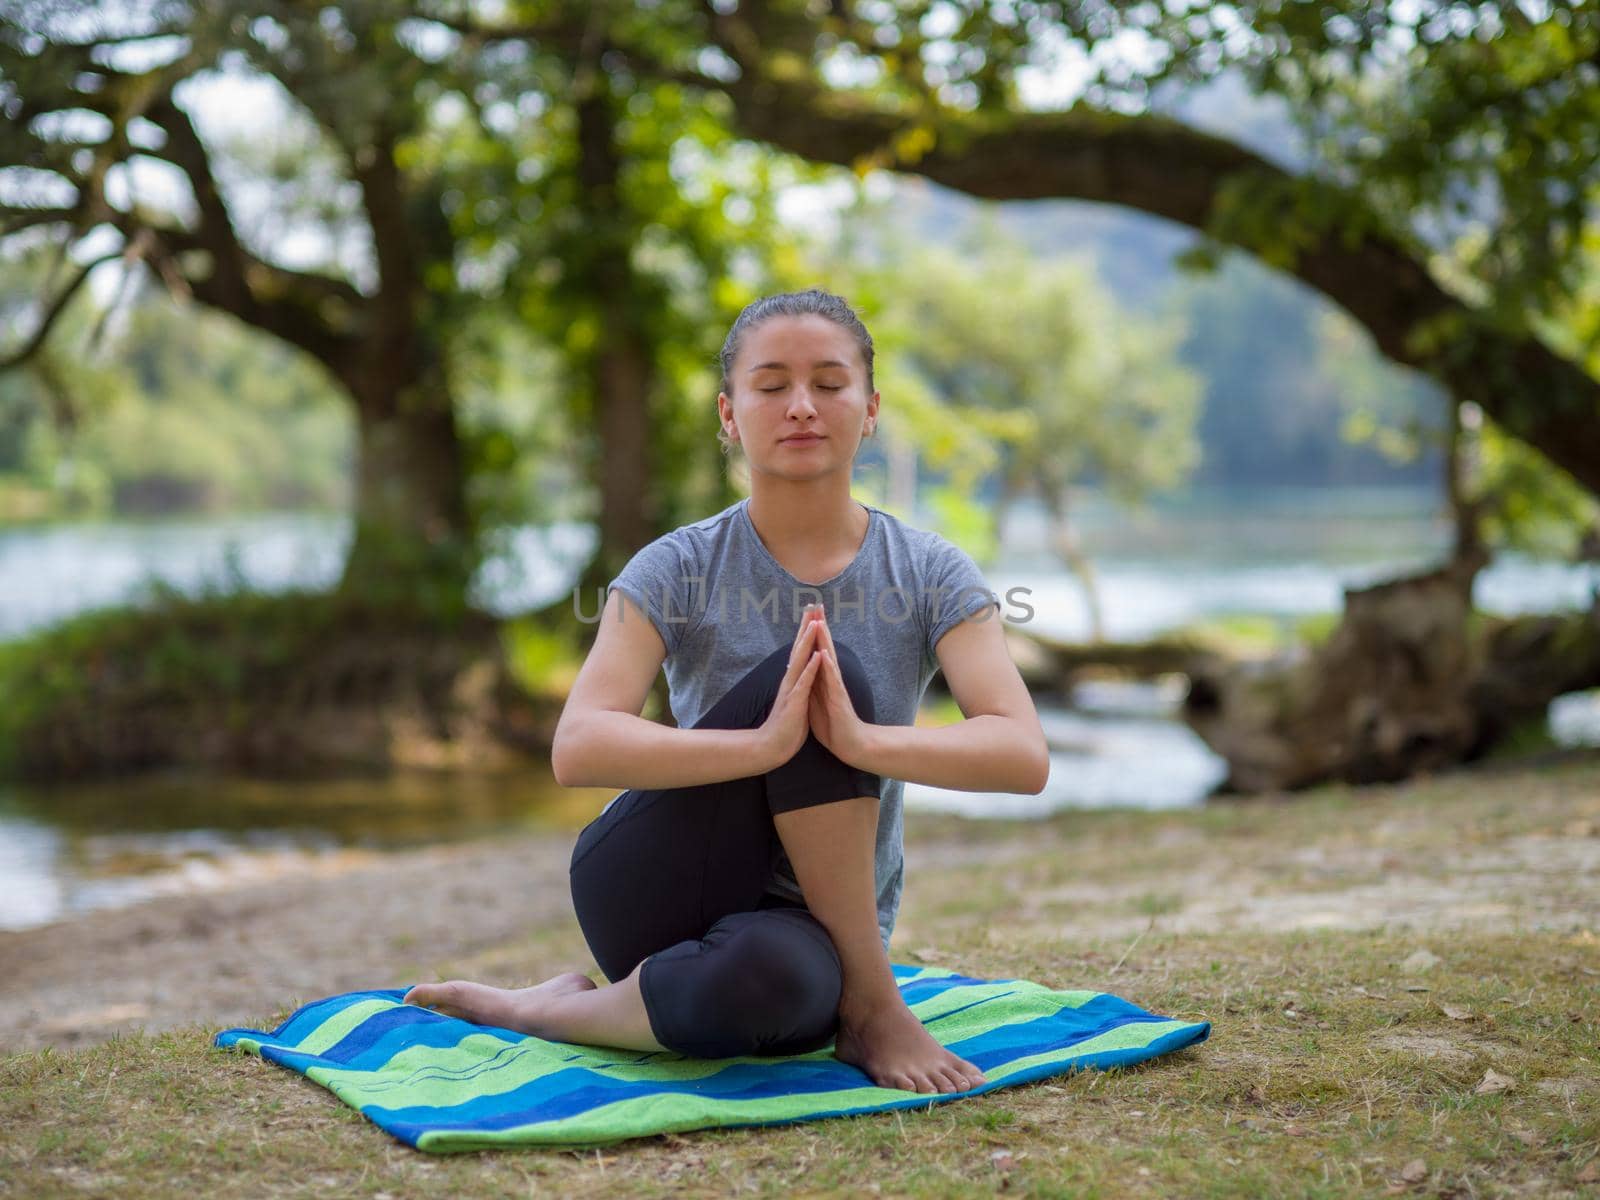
{"x": 443, "y": 1084}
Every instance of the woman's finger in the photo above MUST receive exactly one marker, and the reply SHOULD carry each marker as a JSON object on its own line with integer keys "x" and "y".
{"x": 807, "y": 630}
{"x": 825, "y": 634}
{"x": 809, "y": 675}
{"x": 804, "y": 643}
{"x": 834, "y": 676}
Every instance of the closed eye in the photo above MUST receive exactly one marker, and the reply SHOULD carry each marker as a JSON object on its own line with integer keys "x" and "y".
{"x": 820, "y": 387}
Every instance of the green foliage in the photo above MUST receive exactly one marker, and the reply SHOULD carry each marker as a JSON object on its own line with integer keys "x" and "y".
{"x": 1527, "y": 504}
{"x": 168, "y": 409}
{"x": 993, "y": 362}
{"x": 145, "y": 655}
{"x": 1291, "y": 384}
{"x": 1436, "y": 116}
{"x": 540, "y": 660}
{"x": 216, "y": 658}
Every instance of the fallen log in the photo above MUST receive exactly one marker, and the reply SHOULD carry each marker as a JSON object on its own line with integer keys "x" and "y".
{"x": 1409, "y": 681}
{"x": 1050, "y": 666}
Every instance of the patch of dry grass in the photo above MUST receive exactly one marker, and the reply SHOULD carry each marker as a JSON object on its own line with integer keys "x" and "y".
{"x": 1341, "y": 1062}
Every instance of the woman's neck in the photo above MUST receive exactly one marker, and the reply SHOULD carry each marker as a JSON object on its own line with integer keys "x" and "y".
{"x": 813, "y": 529}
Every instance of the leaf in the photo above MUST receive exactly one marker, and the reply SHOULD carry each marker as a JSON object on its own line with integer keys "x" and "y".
{"x": 1454, "y": 1013}
{"x": 1003, "y": 1160}
{"x": 1414, "y": 1171}
{"x": 1493, "y": 1082}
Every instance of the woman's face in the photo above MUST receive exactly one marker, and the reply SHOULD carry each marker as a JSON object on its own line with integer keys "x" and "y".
{"x": 798, "y": 375}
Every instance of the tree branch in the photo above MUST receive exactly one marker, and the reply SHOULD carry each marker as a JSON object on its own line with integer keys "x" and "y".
{"x": 35, "y": 343}
{"x": 186, "y": 151}
{"x": 14, "y": 218}
{"x": 291, "y": 305}
{"x": 1159, "y": 166}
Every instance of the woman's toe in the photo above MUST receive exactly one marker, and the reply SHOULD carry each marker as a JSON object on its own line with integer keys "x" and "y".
{"x": 446, "y": 998}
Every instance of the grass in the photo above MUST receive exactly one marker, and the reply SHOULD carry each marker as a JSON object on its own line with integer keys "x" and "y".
{"x": 1339, "y": 1065}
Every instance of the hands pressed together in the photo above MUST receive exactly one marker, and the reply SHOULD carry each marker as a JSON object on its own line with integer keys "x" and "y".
{"x": 812, "y": 697}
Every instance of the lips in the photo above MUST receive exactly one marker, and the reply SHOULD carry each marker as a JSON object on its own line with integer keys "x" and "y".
{"x": 803, "y": 439}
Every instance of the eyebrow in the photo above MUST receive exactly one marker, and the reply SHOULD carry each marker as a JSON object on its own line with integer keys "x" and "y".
{"x": 780, "y": 365}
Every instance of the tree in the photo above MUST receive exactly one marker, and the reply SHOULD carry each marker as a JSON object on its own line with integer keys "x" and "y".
{"x": 89, "y": 97}
{"x": 449, "y": 171}
{"x": 1023, "y": 369}
{"x": 943, "y": 102}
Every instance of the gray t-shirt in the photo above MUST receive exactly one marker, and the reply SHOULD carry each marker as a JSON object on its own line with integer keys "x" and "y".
{"x": 722, "y": 603}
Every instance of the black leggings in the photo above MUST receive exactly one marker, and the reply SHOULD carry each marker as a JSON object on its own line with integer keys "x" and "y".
{"x": 675, "y": 878}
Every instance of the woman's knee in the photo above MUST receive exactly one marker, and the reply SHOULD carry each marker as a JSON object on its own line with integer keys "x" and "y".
{"x": 769, "y": 987}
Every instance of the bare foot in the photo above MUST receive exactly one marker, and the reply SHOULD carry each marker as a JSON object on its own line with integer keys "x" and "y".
{"x": 886, "y": 1040}
{"x": 520, "y": 1009}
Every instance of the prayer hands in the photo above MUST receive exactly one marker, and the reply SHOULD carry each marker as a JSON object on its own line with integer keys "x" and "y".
{"x": 787, "y": 724}
{"x": 833, "y": 717}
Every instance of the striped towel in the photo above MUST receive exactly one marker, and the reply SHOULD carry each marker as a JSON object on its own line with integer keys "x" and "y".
{"x": 443, "y": 1084}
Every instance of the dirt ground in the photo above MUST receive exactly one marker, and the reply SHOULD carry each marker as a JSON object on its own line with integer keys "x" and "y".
{"x": 1502, "y": 851}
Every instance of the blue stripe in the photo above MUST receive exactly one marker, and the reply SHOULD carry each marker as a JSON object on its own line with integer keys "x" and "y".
{"x": 1057, "y": 1030}
{"x": 567, "y": 1093}
{"x": 306, "y": 1019}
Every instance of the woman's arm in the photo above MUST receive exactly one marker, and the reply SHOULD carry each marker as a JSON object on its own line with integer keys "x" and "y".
{"x": 602, "y": 741}
{"x": 1000, "y": 747}
{"x": 620, "y": 750}
{"x": 985, "y": 753}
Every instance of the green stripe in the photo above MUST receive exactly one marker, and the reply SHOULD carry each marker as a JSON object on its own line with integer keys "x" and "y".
{"x": 454, "y": 1081}
{"x": 661, "y": 1114}
{"x": 1029, "y": 997}
{"x": 338, "y": 1026}
{"x": 1133, "y": 1036}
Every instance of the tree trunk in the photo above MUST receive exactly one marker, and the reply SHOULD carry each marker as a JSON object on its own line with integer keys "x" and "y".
{"x": 413, "y": 545}
{"x": 1404, "y": 684}
{"x": 621, "y": 368}
{"x": 1003, "y": 503}
{"x": 1066, "y": 547}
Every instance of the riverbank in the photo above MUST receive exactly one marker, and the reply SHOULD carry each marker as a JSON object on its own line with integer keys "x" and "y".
{"x": 1368, "y": 958}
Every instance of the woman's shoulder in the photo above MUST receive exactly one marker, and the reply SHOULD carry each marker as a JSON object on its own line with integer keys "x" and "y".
{"x": 928, "y": 546}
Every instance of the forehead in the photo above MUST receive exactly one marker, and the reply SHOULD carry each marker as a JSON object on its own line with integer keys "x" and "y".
{"x": 798, "y": 342}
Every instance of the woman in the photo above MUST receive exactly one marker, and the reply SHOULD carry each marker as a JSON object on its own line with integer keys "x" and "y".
{"x": 739, "y": 895}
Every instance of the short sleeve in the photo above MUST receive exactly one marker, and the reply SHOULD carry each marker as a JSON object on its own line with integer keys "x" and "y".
{"x": 954, "y": 589}
{"x": 663, "y": 580}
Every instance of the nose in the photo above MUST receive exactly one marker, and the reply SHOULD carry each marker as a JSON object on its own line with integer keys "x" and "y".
{"x": 800, "y": 404}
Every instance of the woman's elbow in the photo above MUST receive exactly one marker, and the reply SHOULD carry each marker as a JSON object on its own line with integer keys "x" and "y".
{"x": 565, "y": 761}
{"x": 1040, "y": 776}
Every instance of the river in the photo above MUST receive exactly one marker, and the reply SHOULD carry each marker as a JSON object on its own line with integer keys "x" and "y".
{"x": 1281, "y": 553}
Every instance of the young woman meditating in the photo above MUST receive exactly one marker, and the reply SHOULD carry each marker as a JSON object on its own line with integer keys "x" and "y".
{"x": 740, "y": 894}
